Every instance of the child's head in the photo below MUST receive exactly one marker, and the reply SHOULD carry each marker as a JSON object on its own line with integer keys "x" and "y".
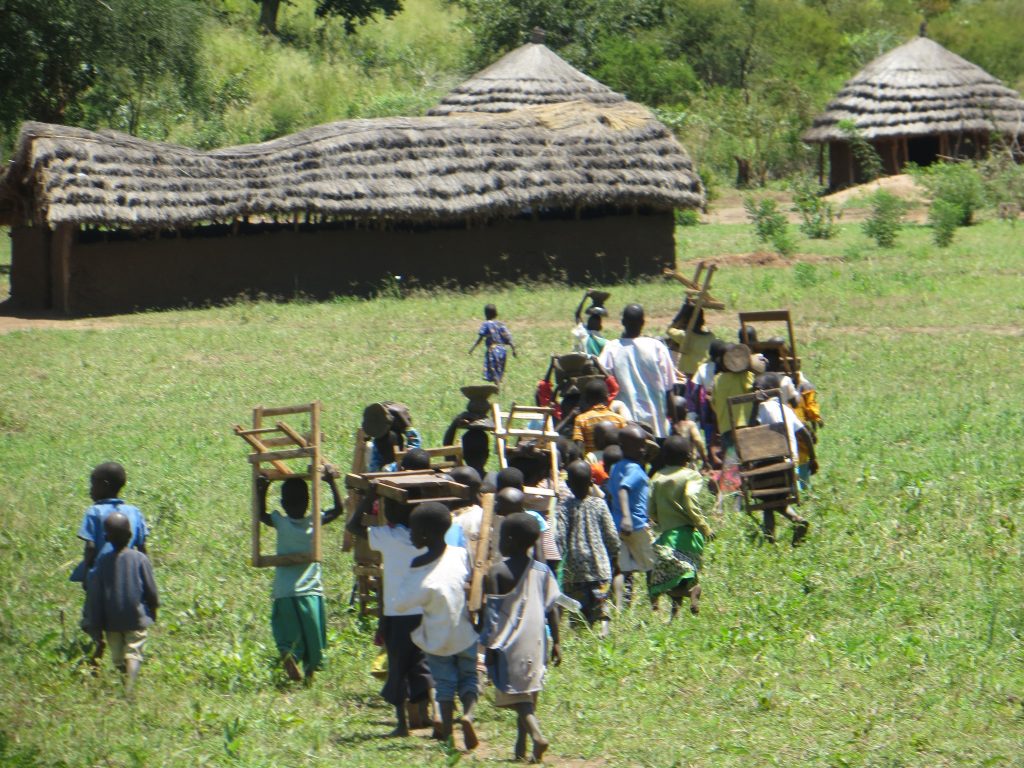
{"x": 611, "y": 456}
{"x": 509, "y": 501}
{"x": 595, "y": 392}
{"x": 716, "y": 350}
{"x": 470, "y": 478}
{"x": 519, "y": 532}
{"x": 118, "y": 529}
{"x": 751, "y": 335}
{"x": 395, "y": 512}
{"x": 676, "y": 451}
{"x": 294, "y": 497}
{"x": 416, "y": 458}
{"x": 106, "y": 481}
{"x": 568, "y": 451}
{"x": 428, "y": 523}
{"x": 578, "y": 477}
{"x": 490, "y": 311}
{"x": 633, "y": 441}
{"x": 475, "y": 447}
{"x": 509, "y": 477}
{"x": 682, "y": 318}
{"x": 594, "y": 316}
{"x": 605, "y": 434}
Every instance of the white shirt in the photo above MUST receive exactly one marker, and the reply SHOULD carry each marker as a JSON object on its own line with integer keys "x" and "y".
{"x": 470, "y": 518}
{"x": 769, "y": 413}
{"x": 580, "y": 334}
{"x": 643, "y": 367}
{"x": 396, "y": 552}
{"x": 438, "y": 589}
{"x": 789, "y": 393}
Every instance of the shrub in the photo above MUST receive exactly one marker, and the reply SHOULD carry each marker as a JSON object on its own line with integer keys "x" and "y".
{"x": 817, "y": 216}
{"x": 957, "y": 183}
{"x": 687, "y": 217}
{"x": 885, "y": 219}
{"x": 867, "y": 158}
{"x": 770, "y": 224}
{"x": 944, "y": 217}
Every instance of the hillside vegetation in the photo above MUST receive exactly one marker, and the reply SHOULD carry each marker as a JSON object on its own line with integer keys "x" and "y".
{"x": 733, "y": 79}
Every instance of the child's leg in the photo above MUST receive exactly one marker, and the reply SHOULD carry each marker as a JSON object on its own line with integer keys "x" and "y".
{"x": 768, "y": 525}
{"x": 444, "y": 670}
{"x": 695, "y": 591}
{"x": 529, "y": 724}
{"x": 134, "y": 642}
{"x": 286, "y": 627}
{"x": 394, "y": 691}
{"x": 800, "y": 525}
{"x": 469, "y": 692}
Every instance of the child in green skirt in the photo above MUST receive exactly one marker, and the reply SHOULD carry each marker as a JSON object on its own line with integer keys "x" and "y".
{"x": 297, "y": 618}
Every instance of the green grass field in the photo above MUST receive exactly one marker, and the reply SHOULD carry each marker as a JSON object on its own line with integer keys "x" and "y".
{"x": 895, "y": 637}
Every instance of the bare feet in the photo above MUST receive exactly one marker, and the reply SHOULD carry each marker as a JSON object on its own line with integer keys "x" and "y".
{"x": 469, "y": 734}
{"x": 399, "y": 732}
{"x": 540, "y": 746}
{"x": 800, "y": 531}
{"x": 291, "y": 668}
{"x": 695, "y": 591}
{"x": 520, "y": 749}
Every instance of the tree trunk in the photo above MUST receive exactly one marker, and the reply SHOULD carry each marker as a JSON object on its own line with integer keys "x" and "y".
{"x": 268, "y": 16}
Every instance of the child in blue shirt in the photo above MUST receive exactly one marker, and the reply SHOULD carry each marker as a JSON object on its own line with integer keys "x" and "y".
{"x": 626, "y": 492}
{"x": 298, "y": 619}
{"x": 105, "y": 483}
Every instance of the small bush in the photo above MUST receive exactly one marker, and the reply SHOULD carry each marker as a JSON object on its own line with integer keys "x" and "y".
{"x": 959, "y": 184}
{"x": 944, "y": 216}
{"x": 886, "y": 218}
{"x": 864, "y": 153}
{"x": 687, "y": 217}
{"x": 818, "y": 217}
{"x": 770, "y": 224}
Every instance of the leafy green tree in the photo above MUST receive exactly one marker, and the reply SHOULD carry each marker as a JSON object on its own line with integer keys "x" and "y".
{"x": 639, "y": 67}
{"x": 352, "y": 12}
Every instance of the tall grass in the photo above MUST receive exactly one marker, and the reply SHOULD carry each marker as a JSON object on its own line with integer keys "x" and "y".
{"x": 893, "y": 637}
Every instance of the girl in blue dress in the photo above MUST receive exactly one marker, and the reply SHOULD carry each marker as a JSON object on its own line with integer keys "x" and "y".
{"x": 496, "y": 337}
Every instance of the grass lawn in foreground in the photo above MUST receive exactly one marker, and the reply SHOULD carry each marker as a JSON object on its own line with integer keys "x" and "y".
{"x": 894, "y": 637}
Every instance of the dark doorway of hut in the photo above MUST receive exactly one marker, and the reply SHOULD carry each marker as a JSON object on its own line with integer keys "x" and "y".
{"x": 923, "y": 150}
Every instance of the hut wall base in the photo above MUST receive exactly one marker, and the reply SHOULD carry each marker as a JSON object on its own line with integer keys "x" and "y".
{"x": 30, "y": 268}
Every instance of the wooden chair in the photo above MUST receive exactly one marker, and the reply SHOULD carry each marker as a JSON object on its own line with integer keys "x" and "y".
{"x": 766, "y": 466}
{"x": 304, "y": 447}
{"x": 445, "y": 457}
{"x": 787, "y": 351}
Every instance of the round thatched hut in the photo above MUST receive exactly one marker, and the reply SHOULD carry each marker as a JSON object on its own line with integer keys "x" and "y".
{"x": 532, "y": 74}
{"x": 105, "y": 222}
{"x": 916, "y": 103}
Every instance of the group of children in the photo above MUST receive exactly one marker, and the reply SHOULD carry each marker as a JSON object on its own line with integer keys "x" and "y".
{"x": 628, "y": 502}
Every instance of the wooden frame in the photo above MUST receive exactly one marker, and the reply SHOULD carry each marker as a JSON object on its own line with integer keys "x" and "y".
{"x": 765, "y": 458}
{"x": 264, "y": 440}
{"x": 546, "y": 436}
{"x": 787, "y": 356}
{"x": 439, "y": 457}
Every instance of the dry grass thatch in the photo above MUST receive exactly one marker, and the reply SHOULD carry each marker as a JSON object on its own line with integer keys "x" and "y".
{"x": 531, "y": 74}
{"x": 416, "y": 169}
{"x": 920, "y": 88}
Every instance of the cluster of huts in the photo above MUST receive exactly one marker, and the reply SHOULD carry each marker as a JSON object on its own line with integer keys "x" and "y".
{"x": 529, "y": 168}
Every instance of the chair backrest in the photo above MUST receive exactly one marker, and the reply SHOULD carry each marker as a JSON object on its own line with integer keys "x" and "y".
{"x": 760, "y": 443}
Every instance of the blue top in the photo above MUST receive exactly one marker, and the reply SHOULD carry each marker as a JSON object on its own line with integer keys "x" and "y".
{"x": 121, "y": 595}
{"x": 92, "y": 529}
{"x": 495, "y": 333}
{"x": 455, "y": 536}
{"x": 295, "y": 537}
{"x": 630, "y": 475}
{"x": 412, "y": 440}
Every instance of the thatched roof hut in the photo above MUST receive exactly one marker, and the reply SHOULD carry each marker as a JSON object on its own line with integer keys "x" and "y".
{"x": 524, "y": 180}
{"x": 531, "y": 74}
{"x": 915, "y": 103}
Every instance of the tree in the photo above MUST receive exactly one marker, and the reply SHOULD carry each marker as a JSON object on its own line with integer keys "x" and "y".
{"x": 352, "y": 12}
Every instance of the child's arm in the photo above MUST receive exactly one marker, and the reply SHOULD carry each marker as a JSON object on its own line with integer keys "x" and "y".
{"x": 626, "y": 526}
{"x": 355, "y": 524}
{"x": 556, "y": 647}
{"x": 476, "y": 344}
{"x": 150, "y": 596}
{"x": 331, "y": 476}
{"x": 262, "y": 486}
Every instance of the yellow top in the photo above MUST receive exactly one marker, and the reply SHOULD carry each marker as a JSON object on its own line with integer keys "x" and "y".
{"x": 693, "y": 348}
{"x": 728, "y": 385}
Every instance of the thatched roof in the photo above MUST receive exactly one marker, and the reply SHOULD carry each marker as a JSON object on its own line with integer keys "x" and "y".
{"x": 920, "y": 88}
{"x": 426, "y": 169}
{"x": 531, "y": 74}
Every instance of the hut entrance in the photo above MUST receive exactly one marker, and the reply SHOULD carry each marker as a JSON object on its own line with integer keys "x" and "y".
{"x": 923, "y": 150}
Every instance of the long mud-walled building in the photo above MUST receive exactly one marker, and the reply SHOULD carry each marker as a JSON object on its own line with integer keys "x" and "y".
{"x": 549, "y": 186}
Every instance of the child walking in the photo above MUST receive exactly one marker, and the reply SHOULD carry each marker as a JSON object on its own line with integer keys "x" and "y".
{"x": 495, "y": 336}
{"x": 627, "y": 492}
{"x": 105, "y": 483}
{"x": 436, "y": 585}
{"x": 297, "y": 618}
{"x": 408, "y": 680}
{"x": 589, "y": 543}
{"x": 121, "y": 599}
{"x": 521, "y": 594}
